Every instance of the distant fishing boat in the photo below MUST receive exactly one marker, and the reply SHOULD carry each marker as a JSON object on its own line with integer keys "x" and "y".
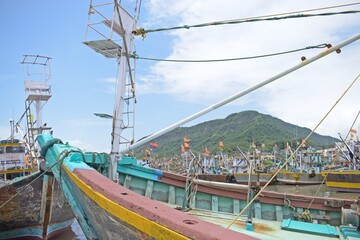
{"x": 299, "y": 177}
{"x": 255, "y": 178}
{"x": 13, "y": 161}
{"x": 124, "y": 198}
{"x": 346, "y": 180}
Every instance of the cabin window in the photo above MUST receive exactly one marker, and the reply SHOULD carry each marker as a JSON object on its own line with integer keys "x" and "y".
{"x": 15, "y": 149}
{"x": 2, "y": 150}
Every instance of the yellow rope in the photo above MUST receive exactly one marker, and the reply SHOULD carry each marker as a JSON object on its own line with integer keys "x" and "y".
{"x": 284, "y": 164}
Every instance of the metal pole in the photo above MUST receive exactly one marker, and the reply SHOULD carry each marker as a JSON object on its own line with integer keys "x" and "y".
{"x": 241, "y": 94}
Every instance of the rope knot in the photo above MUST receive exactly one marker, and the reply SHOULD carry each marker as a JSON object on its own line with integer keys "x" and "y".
{"x": 139, "y": 32}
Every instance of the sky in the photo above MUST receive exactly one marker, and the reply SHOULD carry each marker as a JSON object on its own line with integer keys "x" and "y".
{"x": 83, "y": 81}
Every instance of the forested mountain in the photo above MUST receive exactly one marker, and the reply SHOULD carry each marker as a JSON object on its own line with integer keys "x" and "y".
{"x": 245, "y": 129}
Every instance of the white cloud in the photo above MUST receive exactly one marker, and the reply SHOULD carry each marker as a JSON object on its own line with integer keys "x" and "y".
{"x": 301, "y": 98}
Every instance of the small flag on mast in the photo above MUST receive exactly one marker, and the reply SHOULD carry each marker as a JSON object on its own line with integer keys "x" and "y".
{"x": 153, "y": 145}
{"x": 183, "y": 149}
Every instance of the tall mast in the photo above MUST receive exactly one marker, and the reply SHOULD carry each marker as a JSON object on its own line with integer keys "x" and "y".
{"x": 38, "y": 92}
{"x": 116, "y": 41}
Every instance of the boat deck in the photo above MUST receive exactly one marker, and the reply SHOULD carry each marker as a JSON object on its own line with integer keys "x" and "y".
{"x": 262, "y": 229}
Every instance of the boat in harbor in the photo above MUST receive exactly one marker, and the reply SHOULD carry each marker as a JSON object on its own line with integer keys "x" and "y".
{"x": 13, "y": 162}
{"x": 113, "y": 196}
{"x": 32, "y": 204}
{"x": 304, "y": 169}
{"x": 346, "y": 179}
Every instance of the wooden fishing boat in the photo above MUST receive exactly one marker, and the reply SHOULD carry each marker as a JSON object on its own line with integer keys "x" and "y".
{"x": 259, "y": 179}
{"x": 299, "y": 178}
{"x": 32, "y": 205}
{"x": 13, "y": 162}
{"x": 346, "y": 180}
{"x": 22, "y": 217}
{"x": 95, "y": 200}
{"x": 343, "y": 180}
{"x": 310, "y": 165}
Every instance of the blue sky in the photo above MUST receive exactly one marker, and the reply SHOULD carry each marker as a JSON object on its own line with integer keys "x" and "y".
{"x": 83, "y": 81}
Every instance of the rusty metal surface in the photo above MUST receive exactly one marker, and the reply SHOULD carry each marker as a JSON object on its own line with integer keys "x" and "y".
{"x": 23, "y": 211}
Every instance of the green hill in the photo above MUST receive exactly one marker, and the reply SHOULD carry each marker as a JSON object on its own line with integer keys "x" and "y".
{"x": 242, "y": 129}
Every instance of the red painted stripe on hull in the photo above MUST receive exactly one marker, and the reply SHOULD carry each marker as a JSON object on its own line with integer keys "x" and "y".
{"x": 155, "y": 211}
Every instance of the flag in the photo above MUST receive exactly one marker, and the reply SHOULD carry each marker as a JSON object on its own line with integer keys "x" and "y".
{"x": 206, "y": 151}
{"x": 186, "y": 145}
{"x": 221, "y": 144}
{"x": 186, "y": 140}
{"x": 353, "y": 134}
{"x": 303, "y": 143}
{"x": 183, "y": 149}
{"x": 153, "y": 145}
{"x": 288, "y": 146}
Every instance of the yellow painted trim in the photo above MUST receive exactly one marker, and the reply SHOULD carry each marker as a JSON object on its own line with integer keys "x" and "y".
{"x": 11, "y": 144}
{"x": 24, "y": 170}
{"x": 346, "y": 172}
{"x": 343, "y": 184}
{"x": 139, "y": 222}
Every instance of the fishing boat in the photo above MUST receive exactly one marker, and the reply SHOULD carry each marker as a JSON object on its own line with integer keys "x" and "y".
{"x": 257, "y": 171}
{"x": 255, "y": 178}
{"x": 138, "y": 202}
{"x": 299, "y": 177}
{"x": 32, "y": 204}
{"x": 23, "y": 205}
{"x": 346, "y": 180}
{"x": 13, "y": 162}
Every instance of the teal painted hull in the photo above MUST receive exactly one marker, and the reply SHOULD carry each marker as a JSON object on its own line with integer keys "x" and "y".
{"x": 106, "y": 210}
{"x": 271, "y": 205}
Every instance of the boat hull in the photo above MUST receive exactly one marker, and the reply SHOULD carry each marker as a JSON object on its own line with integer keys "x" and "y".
{"x": 21, "y": 218}
{"x": 343, "y": 181}
{"x": 256, "y": 178}
{"x": 106, "y": 210}
{"x": 294, "y": 178}
{"x": 275, "y": 205}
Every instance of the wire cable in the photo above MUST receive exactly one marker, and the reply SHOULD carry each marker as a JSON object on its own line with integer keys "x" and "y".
{"x": 135, "y": 56}
{"x": 275, "y": 17}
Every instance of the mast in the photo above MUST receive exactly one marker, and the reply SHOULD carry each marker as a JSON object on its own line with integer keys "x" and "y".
{"x": 37, "y": 92}
{"x": 116, "y": 41}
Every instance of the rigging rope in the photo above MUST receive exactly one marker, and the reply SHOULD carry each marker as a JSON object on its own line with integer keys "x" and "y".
{"x": 283, "y": 165}
{"x": 26, "y": 186}
{"x": 143, "y": 32}
{"x": 135, "y": 56}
